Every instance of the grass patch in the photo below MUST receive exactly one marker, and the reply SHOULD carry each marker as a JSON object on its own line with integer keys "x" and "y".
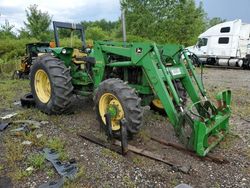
{"x": 81, "y": 174}
{"x": 144, "y": 136}
{"x": 58, "y": 145}
{"x": 50, "y": 172}
{"x": 108, "y": 153}
{"x": 128, "y": 182}
{"x": 1, "y": 167}
{"x": 19, "y": 174}
{"x": 228, "y": 141}
{"x": 11, "y": 90}
{"x": 36, "y": 160}
{"x": 14, "y": 152}
{"x": 38, "y": 142}
{"x": 138, "y": 160}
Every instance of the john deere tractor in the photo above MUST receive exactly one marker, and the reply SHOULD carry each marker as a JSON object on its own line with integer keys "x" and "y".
{"x": 123, "y": 77}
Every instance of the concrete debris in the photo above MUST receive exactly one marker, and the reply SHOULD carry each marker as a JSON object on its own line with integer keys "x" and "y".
{"x": 8, "y": 116}
{"x": 26, "y": 142}
{"x": 17, "y": 103}
{"x": 39, "y": 135}
{"x": 183, "y": 185}
{"x": 44, "y": 122}
{"x": 30, "y": 169}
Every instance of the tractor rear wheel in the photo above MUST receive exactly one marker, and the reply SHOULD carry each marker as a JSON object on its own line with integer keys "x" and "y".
{"x": 51, "y": 85}
{"x": 120, "y": 101}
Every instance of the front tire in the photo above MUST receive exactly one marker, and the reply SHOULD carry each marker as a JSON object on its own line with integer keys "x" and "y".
{"x": 51, "y": 85}
{"x": 115, "y": 97}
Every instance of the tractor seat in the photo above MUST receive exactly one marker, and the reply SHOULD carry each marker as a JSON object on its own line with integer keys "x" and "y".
{"x": 88, "y": 60}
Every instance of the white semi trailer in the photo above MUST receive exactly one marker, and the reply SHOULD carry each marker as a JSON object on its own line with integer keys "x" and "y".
{"x": 226, "y": 44}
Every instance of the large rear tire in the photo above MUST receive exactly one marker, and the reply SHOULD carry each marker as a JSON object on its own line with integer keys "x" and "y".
{"x": 115, "y": 97}
{"x": 51, "y": 85}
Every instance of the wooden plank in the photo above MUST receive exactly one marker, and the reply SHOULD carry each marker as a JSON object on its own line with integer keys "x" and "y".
{"x": 209, "y": 157}
{"x": 116, "y": 146}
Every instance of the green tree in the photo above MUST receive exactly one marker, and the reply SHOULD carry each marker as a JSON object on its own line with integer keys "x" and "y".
{"x": 38, "y": 22}
{"x": 175, "y": 21}
{"x": 6, "y": 30}
{"x": 215, "y": 21}
{"x": 103, "y": 24}
{"x": 96, "y": 33}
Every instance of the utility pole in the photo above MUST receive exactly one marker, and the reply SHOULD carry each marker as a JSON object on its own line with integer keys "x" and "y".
{"x": 123, "y": 23}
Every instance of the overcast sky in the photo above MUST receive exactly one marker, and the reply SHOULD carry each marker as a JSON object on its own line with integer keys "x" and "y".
{"x": 79, "y": 10}
{"x": 228, "y": 9}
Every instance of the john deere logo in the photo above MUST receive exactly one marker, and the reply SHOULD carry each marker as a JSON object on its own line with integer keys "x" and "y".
{"x": 138, "y": 50}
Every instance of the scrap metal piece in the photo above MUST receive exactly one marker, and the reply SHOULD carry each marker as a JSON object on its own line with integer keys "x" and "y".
{"x": 26, "y": 126}
{"x": 3, "y": 126}
{"x": 18, "y": 131}
{"x": 67, "y": 170}
{"x": 53, "y": 184}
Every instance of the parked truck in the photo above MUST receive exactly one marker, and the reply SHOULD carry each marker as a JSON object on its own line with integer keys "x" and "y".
{"x": 225, "y": 44}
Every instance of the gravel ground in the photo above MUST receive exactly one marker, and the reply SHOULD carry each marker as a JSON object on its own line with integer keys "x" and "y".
{"x": 102, "y": 168}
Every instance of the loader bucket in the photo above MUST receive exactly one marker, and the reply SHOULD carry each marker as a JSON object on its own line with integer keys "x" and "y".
{"x": 209, "y": 123}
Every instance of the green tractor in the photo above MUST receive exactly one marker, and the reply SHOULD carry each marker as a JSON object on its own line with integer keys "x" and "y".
{"x": 123, "y": 77}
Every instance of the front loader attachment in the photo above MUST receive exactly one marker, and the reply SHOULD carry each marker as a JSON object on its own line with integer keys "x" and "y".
{"x": 208, "y": 124}
{"x": 165, "y": 73}
{"x": 202, "y": 125}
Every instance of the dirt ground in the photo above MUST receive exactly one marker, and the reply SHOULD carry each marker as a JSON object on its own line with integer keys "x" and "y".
{"x": 100, "y": 167}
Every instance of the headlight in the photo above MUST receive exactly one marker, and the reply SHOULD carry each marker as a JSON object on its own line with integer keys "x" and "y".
{"x": 64, "y": 51}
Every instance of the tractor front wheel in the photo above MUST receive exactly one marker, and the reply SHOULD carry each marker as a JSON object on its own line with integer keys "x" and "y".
{"x": 51, "y": 85}
{"x": 117, "y": 99}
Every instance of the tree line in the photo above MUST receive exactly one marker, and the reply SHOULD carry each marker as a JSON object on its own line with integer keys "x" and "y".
{"x": 162, "y": 21}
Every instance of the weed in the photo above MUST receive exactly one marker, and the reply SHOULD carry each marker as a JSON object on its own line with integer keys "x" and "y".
{"x": 19, "y": 174}
{"x": 50, "y": 172}
{"x": 1, "y": 167}
{"x": 173, "y": 182}
{"x": 128, "y": 182}
{"x": 144, "y": 136}
{"x": 39, "y": 142}
{"x": 228, "y": 141}
{"x": 14, "y": 152}
{"x": 58, "y": 145}
{"x": 137, "y": 160}
{"x": 11, "y": 89}
{"x": 36, "y": 160}
{"x": 108, "y": 153}
{"x": 217, "y": 185}
{"x": 76, "y": 181}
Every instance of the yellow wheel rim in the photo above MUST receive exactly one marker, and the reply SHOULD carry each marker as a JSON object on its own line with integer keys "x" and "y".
{"x": 42, "y": 86}
{"x": 157, "y": 103}
{"x": 108, "y": 103}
